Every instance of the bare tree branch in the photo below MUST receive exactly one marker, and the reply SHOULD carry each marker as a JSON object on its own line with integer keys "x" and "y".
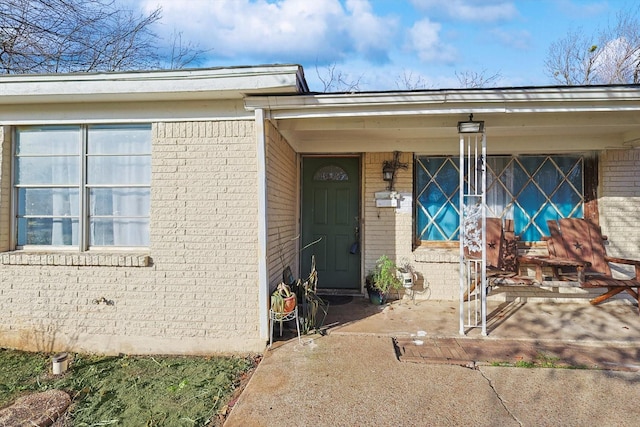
{"x": 409, "y": 81}
{"x": 183, "y": 54}
{"x": 53, "y": 36}
{"x": 611, "y": 56}
{"x": 476, "y": 79}
{"x": 334, "y": 80}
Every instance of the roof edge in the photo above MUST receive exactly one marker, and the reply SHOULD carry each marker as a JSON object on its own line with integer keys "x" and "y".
{"x": 201, "y": 83}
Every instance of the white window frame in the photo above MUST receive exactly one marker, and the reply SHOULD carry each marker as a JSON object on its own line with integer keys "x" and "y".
{"x": 83, "y": 196}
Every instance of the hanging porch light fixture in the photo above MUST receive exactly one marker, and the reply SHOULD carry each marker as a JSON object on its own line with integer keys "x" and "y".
{"x": 471, "y": 126}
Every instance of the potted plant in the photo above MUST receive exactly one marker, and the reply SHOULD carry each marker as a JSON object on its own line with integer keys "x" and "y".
{"x": 406, "y": 273}
{"x": 283, "y": 300}
{"x": 382, "y": 279}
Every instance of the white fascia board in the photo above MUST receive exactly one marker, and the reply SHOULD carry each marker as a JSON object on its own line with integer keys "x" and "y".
{"x": 123, "y": 112}
{"x": 218, "y": 83}
{"x": 521, "y": 100}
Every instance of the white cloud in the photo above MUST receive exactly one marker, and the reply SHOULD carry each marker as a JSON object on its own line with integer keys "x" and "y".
{"x": 615, "y": 62}
{"x": 372, "y": 35}
{"x": 424, "y": 38}
{"x": 280, "y": 30}
{"x": 471, "y": 10}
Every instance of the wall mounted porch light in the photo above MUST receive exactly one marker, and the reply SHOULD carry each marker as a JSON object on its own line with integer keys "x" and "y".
{"x": 471, "y": 126}
{"x": 387, "y": 171}
{"x": 389, "y": 168}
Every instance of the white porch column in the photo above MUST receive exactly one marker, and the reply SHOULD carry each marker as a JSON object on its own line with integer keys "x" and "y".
{"x": 263, "y": 274}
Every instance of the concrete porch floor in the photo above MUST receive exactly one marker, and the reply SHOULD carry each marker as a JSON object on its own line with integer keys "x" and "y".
{"x": 615, "y": 322}
{"x": 355, "y": 375}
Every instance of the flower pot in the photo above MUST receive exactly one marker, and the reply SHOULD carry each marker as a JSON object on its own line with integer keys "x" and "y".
{"x": 289, "y": 304}
{"x": 408, "y": 279}
{"x": 376, "y": 297}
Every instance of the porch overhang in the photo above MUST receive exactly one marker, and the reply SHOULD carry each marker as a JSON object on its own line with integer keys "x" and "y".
{"x": 526, "y": 120}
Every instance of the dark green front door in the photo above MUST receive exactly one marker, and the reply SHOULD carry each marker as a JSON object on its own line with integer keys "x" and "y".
{"x": 331, "y": 213}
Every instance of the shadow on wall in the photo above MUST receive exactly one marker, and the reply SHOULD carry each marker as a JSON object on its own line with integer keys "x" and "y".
{"x": 56, "y": 333}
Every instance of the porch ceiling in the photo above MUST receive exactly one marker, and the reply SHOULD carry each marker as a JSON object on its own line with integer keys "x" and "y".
{"x": 516, "y": 121}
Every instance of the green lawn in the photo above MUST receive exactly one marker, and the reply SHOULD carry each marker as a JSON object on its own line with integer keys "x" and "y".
{"x": 128, "y": 390}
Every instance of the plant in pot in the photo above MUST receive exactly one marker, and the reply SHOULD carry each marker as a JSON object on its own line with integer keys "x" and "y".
{"x": 283, "y": 300}
{"x": 407, "y": 274}
{"x": 283, "y": 305}
{"x": 382, "y": 279}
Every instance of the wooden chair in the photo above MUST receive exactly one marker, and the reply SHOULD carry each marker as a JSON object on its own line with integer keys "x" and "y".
{"x": 581, "y": 240}
{"x": 504, "y": 265}
{"x": 502, "y": 254}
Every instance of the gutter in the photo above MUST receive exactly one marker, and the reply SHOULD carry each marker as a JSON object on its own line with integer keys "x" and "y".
{"x": 462, "y": 101}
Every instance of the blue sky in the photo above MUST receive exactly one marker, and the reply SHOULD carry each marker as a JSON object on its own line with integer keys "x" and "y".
{"x": 380, "y": 43}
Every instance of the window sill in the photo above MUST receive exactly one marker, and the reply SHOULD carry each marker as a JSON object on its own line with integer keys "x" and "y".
{"x": 75, "y": 259}
{"x": 440, "y": 255}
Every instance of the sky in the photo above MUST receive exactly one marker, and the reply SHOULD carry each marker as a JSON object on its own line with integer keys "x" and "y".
{"x": 383, "y": 44}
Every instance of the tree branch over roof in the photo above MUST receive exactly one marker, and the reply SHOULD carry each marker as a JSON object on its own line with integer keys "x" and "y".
{"x": 611, "y": 56}
{"x": 61, "y": 36}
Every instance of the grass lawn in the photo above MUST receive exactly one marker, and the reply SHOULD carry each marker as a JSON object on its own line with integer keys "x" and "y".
{"x": 131, "y": 390}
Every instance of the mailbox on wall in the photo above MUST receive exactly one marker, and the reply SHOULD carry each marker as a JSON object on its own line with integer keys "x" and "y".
{"x": 392, "y": 199}
{"x": 386, "y": 199}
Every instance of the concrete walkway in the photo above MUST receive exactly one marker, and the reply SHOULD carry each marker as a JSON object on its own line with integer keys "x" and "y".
{"x": 354, "y": 375}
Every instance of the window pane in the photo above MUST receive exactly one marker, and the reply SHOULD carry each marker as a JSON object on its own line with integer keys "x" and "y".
{"x": 48, "y": 140}
{"x": 567, "y": 200}
{"x": 119, "y": 201}
{"x": 47, "y": 170}
{"x": 437, "y": 198}
{"x": 119, "y": 155}
{"x": 331, "y": 173}
{"x": 48, "y": 231}
{"x": 120, "y": 139}
{"x": 528, "y": 189}
{"x": 119, "y": 232}
{"x": 48, "y": 202}
{"x": 119, "y": 170}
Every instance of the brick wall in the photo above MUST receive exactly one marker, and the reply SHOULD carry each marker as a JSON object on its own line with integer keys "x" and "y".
{"x": 197, "y": 292}
{"x": 389, "y": 231}
{"x": 282, "y": 205}
{"x": 619, "y": 201}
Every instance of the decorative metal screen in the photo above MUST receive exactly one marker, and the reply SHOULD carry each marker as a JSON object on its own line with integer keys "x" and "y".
{"x": 438, "y": 216}
{"x": 533, "y": 189}
{"x": 528, "y": 189}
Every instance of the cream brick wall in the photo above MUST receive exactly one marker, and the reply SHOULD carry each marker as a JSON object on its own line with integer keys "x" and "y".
{"x": 619, "y": 201}
{"x": 282, "y": 205}
{"x": 386, "y": 232}
{"x": 199, "y": 292}
{"x": 390, "y": 232}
